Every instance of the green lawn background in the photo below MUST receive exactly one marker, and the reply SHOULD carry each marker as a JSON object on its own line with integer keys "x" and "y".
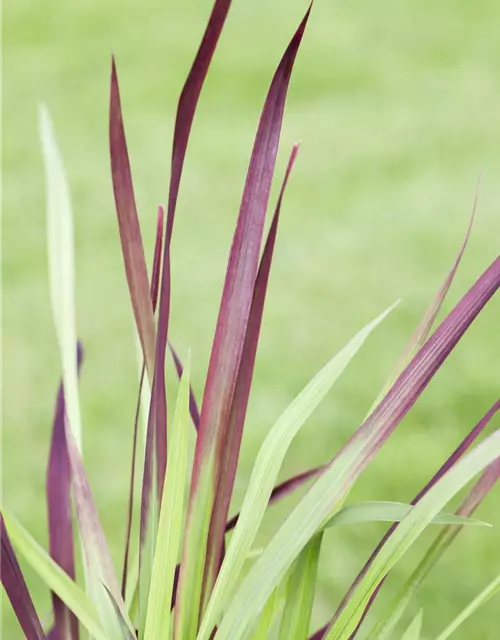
{"x": 396, "y": 105}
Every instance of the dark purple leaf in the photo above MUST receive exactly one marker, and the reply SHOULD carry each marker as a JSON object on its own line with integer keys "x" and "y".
{"x": 58, "y": 485}
{"x": 16, "y": 589}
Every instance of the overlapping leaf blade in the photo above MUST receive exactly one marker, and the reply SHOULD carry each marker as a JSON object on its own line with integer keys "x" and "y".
{"x": 61, "y": 267}
{"x": 410, "y": 528}
{"x": 229, "y": 342}
{"x": 58, "y": 580}
{"x": 333, "y": 484}
{"x": 300, "y": 596}
{"x": 459, "y": 451}
{"x": 414, "y": 628}
{"x": 128, "y": 224}
{"x": 16, "y": 589}
{"x": 157, "y": 421}
{"x": 387, "y": 622}
{"x": 488, "y": 592}
{"x": 269, "y": 616}
{"x": 170, "y": 522}
{"x": 193, "y": 405}
{"x": 58, "y": 485}
{"x": 230, "y": 446}
{"x": 154, "y": 287}
{"x": 379, "y": 511}
{"x": 264, "y": 474}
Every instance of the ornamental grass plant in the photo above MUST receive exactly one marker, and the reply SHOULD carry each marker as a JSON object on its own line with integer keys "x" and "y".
{"x": 193, "y": 570}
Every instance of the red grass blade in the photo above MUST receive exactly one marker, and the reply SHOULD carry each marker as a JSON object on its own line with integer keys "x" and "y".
{"x": 16, "y": 589}
{"x": 128, "y": 223}
{"x": 229, "y": 448}
{"x": 413, "y": 380}
{"x": 155, "y": 272}
{"x": 423, "y": 330}
{"x": 188, "y": 101}
{"x": 156, "y": 443}
{"x": 155, "y": 281}
{"x": 455, "y": 456}
{"x": 193, "y": 405}
{"x": 58, "y": 484}
{"x": 234, "y": 312}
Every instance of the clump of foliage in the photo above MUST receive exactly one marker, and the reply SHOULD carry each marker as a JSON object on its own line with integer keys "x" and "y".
{"x": 196, "y": 574}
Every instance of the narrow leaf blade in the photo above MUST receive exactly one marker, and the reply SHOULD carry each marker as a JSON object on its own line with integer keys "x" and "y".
{"x": 379, "y": 511}
{"x": 410, "y": 528}
{"x": 170, "y": 522}
{"x": 229, "y": 341}
{"x": 128, "y": 224}
{"x": 230, "y": 449}
{"x": 61, "y": 267}
{"x": 16, "y": 589}
{"x": 264, "y": 474}
{"x": 488, "y": 592}
{"x": 58, "y": 483}
{"x": 55, "y": 578}
{"x": 301, "y": 586}
{"x": 414, "y": 629}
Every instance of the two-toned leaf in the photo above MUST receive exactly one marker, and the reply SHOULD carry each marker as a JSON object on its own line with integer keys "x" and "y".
{"x": 16, "y": 589}
{"x": 54, "y": 577}
{"x": 228, "y": 346}
{"x": 261, "y": 483}
{"x": 168, "y": 541}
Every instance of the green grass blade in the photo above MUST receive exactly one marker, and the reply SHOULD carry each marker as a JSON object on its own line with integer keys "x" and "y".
{"x": 122, "y": 626}
{"x": 269, "y": 616}
{"x": 391, "y": 512}
{"x": 265, "y": 472}
{"x": 300, "y": 596}
{"x": 61, "y": 267}
{"x": 55, "y": 578}
{"x": 387, "y": 622}
{"x": 171, "y": 520}
{"x": 410, "y": 528}
{"x": 415, "y": 628}
{"x": 487, "y": 593}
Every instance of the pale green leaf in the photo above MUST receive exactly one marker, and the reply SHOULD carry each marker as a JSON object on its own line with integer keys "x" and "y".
{"x": 171, "y": 520}
{"x": 262, "y": 481}
{"x": 269, "y": 615}
{"x": 185, "y": 621}
{"x": 55, "y": 578}
{"x": 300, "y": 592}
{"x": 410, "y": 528}
{"x": 415, "y": 628}
{"x": 122, "y": 626}
{"x": 487, "y": 593}
{"x": 61, "y": 268}
{"x": 380, "y": 511}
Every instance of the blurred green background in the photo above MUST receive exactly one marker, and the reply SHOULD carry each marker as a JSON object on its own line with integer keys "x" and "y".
{"x": 397, "y": 107}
